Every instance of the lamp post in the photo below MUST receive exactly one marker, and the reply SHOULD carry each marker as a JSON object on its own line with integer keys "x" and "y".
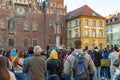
{"x": 57, "y": 26}
{"x": 44, "y": 10}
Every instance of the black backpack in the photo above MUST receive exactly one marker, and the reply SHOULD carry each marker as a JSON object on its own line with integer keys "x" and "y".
{"x": 80, "y": 68}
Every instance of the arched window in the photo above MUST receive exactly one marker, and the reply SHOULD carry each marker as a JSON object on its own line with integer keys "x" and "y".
{"x": 26, "y": 26}
{"x": 34, "y": 26}
{"x": 2, "y": 23}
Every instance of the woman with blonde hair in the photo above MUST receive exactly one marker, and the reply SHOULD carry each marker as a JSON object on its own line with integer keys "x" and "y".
{"x": 17, "y": 65}
{"x": 54, "y": 66}
{"x": 5, "y": 74}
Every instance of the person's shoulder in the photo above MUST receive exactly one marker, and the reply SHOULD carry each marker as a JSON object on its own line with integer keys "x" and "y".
{"x": 12, "y": 76}
{"x": 87, "y": 55}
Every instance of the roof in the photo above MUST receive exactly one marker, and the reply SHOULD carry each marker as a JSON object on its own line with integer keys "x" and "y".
{"x": 110, "y": 16}
{"x": 116, "y": 17}
{"x": 83, "y": 11}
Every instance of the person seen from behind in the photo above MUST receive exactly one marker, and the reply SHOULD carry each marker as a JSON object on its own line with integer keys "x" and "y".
{"x": 113, "y": 57}
{"x": 97, "y": 62}
{"x": 29, "y": 55}
{"x": 9, "y": 66}
{"x": 54, "y": 66}
{"x": 5, "y": 74}
{"x": 73, "y": 58}
{"x": 35, "y": 67}
{"x": 117, "y": 73}
{"x": 17, "y": 65}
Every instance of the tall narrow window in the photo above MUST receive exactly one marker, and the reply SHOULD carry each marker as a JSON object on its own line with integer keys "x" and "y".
{"x": 70, "y": 25}
{"x": 50, "y": 23}
{"x": 86, "y": 34}
{"x": 70, "y": 34}
{"x": 11, "y": 42}
{"x": 26, "y": 26}
{"x": 94, "y": 33}
{"x": 107, "y": 37}
{"x": 2, "y": 24}
{"x": 25, "y": 42}
{"x": 35, "y": 42}
{"x": 34, "y": 26}
{"x": 76, "y": 23}
{"x": 61, "y": 24}
{"x": 86, "y": 22}
{"x": 101, "y": 34}
{"x": 93, "y": 45}
{"x": 100, "y": 45}
{"x": 100, "y": 24}
{"x": 111, "y": 36}
{"x": 76, "y": 33}
{"x": 111, "y": 29}
{"x": 93, "y": 23}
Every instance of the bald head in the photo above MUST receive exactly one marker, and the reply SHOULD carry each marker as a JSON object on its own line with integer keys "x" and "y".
{"x": 37, "y": 50}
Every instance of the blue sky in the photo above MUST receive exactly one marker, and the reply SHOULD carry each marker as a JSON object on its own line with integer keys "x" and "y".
{"x": 103, "y": 7}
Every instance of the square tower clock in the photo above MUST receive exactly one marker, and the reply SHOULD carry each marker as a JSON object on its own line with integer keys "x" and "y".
{"x": 21, "y": 10}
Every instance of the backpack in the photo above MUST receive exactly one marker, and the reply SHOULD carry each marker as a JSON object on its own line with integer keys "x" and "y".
{"x": 80, "y": 68}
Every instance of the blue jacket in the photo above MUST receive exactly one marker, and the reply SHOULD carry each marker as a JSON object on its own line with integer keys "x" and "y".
{"x": 105, "y": 55}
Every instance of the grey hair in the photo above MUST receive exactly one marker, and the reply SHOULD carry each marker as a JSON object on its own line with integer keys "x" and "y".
{"x": 36, "y": 48}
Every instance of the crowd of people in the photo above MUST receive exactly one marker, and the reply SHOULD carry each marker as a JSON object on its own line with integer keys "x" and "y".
{"x": 60, "y": 64}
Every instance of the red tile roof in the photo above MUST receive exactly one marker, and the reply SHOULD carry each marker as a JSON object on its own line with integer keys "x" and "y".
{"x": 84, "y": 11}
{"x": 116, "y": 17}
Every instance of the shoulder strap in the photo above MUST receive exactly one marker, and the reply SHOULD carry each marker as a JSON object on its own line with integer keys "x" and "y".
{"x": 83, "y": 54}
{"x": 73, "y": 53}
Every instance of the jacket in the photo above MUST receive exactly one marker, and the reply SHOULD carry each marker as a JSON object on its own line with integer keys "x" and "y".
{"x": 24, "y": 62}
{"x": 53, "y": 64}
{"x": 98, "y": 57}
{"x": 35, "y": 68}
{"x": 69, "y": 63}
{"x": 54, "y": 67}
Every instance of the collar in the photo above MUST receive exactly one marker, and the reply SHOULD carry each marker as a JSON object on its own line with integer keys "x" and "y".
{"x": 36, "y": 55}
{"x": 78, "y": 50}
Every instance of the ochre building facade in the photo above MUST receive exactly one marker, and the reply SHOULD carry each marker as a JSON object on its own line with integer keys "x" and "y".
{"x": 88, "y": 26}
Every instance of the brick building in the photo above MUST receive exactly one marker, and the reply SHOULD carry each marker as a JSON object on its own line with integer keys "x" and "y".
{"x": 25, "y": 23}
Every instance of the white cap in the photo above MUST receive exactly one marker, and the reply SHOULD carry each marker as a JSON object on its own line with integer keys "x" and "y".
{"x": 36, "y": 48}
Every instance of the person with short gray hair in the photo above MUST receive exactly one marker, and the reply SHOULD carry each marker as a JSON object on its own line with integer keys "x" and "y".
{"x": 35, "y": 66}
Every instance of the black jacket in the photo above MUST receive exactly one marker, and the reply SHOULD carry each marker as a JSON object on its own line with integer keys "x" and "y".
{"x": 54, "y": 67}
{"x": 98, "y": 57}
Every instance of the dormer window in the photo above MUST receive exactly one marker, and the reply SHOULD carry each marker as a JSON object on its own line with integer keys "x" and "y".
{"x": 113, "y": 20}
{"x": 71, "y": 16}
{"x": 93, "y": 14}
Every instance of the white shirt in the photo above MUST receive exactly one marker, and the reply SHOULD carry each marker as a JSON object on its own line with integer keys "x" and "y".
{"x": 113, "y": 57}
